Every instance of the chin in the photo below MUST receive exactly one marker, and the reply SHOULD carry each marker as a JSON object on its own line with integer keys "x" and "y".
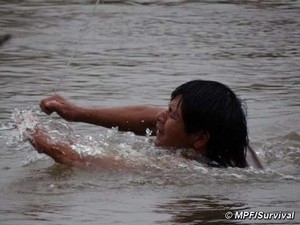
{"x": 158, "y": 142}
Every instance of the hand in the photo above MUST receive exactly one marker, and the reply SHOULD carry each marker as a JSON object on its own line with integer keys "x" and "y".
{"x": 58, "y": 104}
{"x": 59, "y": 151}
{"x": 38, "y": 139}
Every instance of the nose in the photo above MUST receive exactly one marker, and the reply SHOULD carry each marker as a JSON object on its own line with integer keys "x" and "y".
{"x": 161, "y": 116}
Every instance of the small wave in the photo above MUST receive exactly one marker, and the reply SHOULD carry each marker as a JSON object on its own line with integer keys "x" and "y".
{"x": 282, "y": 150}
{"x": 292, "y": 136}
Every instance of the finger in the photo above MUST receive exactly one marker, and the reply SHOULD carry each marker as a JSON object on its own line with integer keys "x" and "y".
{"x": 47, "y": 104}
{"x": 44, "y": 107}
{"x": 53, "y": 106}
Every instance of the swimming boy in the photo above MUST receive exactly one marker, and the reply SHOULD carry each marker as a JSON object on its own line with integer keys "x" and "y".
{"x": 205, "y": 116}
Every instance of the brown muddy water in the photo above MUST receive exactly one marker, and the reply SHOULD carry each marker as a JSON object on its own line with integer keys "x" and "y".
{"x": 136, "y": 52}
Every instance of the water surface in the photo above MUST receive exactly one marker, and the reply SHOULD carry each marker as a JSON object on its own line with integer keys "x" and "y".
{"x": 137, "y": 52}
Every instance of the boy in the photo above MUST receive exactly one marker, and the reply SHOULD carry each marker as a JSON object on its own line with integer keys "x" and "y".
{"x": 203, "y": 115}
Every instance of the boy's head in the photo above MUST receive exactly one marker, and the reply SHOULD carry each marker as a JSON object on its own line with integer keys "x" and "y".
{"x": 210, "y": 119}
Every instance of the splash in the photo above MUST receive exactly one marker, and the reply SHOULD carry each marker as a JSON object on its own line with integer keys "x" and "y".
{"x": 24, "y": 119}
{"x": 159, "y": 166}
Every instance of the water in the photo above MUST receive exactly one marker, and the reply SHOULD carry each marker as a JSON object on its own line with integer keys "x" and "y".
{"x": 137, "y": 52}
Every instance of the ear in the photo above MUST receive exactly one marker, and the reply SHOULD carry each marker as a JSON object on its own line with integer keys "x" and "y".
{"x": 201, "y": 140}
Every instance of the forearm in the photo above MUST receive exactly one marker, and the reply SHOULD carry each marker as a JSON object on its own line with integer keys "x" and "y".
{"x": 64, "y": 154}
{"x": 60, "y": 152}
{"x": 130, "y": 118}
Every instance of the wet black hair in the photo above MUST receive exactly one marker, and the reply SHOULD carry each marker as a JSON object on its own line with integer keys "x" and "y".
{"x": 210, "y": 106}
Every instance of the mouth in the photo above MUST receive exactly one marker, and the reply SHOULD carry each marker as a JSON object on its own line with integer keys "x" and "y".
{"x": 159, "y": 130}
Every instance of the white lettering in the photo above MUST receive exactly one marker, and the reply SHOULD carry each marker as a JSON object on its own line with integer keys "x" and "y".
{"x": 260, "y": 215}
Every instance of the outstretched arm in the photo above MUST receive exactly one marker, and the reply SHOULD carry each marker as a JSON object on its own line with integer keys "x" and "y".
{"x": 64, "y": 154}
{"x": 129, "y": 118}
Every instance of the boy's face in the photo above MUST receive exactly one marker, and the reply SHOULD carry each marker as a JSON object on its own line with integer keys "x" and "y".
{"x": 170, "y": 128}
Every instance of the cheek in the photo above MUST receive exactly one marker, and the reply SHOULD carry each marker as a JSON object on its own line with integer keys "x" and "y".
{"x": 174, "y": 127}
{"x": 170, "y": 135}
{"x": 175, "y": 132}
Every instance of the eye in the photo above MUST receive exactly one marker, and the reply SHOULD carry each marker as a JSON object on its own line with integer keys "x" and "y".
{"x": 172, "y": 113}
{"x": 172, "y": 116}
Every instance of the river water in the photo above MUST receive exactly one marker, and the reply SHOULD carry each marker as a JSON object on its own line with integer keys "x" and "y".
{"x": 136, "y": 52}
